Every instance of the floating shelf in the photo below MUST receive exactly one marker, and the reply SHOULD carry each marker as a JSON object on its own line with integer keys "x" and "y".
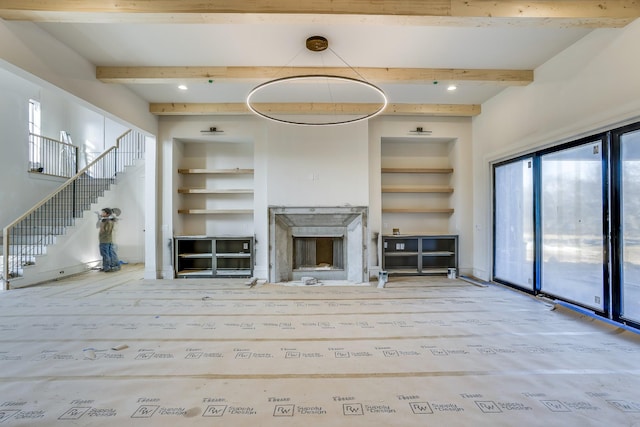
{"x": 214, "y": 191}
{"x": 215, "y": 171}
{"x": 418, "y": 211}
{"x": 417, "y": 170}
{"x": 215, "y": 211}
{"x": 417, "y": 189}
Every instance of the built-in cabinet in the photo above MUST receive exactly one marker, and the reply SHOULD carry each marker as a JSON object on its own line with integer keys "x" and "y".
{"x": 417, "y": 205}
{"x": 213, "y": 256}
{"x": 419, "y": 254}
{"x": 214, "y": 197}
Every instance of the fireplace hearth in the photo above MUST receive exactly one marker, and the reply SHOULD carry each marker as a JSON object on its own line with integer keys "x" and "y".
{"x": 327, "y": 243}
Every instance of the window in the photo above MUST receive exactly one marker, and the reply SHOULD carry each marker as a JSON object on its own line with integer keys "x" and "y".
{"x": 35, "y": 145}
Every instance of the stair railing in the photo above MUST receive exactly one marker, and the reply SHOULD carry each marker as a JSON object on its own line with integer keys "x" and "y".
{"x": 52, "y": 157}
{"x": 28, "y": 235}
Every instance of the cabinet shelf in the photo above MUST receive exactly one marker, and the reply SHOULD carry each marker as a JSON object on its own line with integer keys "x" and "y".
{"x": 401, "y": 253}
{"x": 195, "y": 273}
{"x": 238, "y": 255}
{"x": 195, "y": 255}
{"x": 438, "y": 253}
{"x": 403, "y": 271}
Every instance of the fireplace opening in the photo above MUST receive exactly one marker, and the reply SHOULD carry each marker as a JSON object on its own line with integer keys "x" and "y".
{"x": 318, "y": 253}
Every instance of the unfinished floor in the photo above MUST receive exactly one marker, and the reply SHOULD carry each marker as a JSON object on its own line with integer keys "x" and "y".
{"x": 113, "y": 349}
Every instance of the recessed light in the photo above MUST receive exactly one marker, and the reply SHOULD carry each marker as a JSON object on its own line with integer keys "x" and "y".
{"x": 182, "y": 87}
{"x": 452, "y": 87}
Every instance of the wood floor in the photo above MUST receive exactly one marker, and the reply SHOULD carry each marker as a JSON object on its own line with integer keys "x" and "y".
{"x": 112, "y": 349}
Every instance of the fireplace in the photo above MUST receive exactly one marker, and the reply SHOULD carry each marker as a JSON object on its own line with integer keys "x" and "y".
{"x": 327, "y": 243}
{"x": 318, "y": 253}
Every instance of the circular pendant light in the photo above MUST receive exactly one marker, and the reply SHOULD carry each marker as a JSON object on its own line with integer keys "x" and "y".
{"x": 317, "y": 99}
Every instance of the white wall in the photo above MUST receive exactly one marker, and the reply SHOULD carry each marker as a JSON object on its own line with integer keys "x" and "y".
{"x": 19, "y": 189}
{"x": 90, "y": 130}
{"x": 318, "y": 166}
{"x": 31, "y": 49}
{"x": 591, "y": 86}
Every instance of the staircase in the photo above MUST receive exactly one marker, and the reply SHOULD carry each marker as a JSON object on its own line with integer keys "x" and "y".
{"x": 28, "y": 237}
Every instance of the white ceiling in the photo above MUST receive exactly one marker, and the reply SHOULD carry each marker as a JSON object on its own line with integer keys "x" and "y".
{"x": 359, "y": 42}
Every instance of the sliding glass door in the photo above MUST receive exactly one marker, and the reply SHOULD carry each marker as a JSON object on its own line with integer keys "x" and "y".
{"x": 630, "y": 224}
{"x": 513, "y": 223}
{"x": 567, "y": 223}
{"x": 571, "y": 226}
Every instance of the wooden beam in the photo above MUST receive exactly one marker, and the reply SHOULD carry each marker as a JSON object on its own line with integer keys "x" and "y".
{"x": 452, "y": 110}
{"x": 155, "y": 75}
{"x": 587, "y": 13}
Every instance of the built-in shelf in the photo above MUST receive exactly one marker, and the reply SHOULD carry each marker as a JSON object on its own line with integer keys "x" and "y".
{"x": 419, "y": 210}
{"x": 214, "y": 191}
{"x": 215, "y": 171}
{"x": 417, "y": 170}
{"x": 214, "y": 211}
{"x": 416, "y": 186}
{"x": 416, "y": 189}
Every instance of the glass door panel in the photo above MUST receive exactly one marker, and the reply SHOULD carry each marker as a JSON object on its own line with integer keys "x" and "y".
{"x": 513, "y": 223}
{"x": 572, "y": 249}
{"x": 630, "y": 222}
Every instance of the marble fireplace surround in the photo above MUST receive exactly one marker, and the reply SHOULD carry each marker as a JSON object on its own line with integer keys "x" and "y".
{"x": 348, "y": 221}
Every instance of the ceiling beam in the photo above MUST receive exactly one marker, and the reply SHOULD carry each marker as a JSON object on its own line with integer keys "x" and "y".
{"x": 162, "y": 75}
{"x": 194, "y": 109}
{"x": 584, "y": 13}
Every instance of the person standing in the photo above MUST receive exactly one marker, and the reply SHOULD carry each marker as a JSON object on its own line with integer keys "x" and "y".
{"x": 106, "y": 223}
